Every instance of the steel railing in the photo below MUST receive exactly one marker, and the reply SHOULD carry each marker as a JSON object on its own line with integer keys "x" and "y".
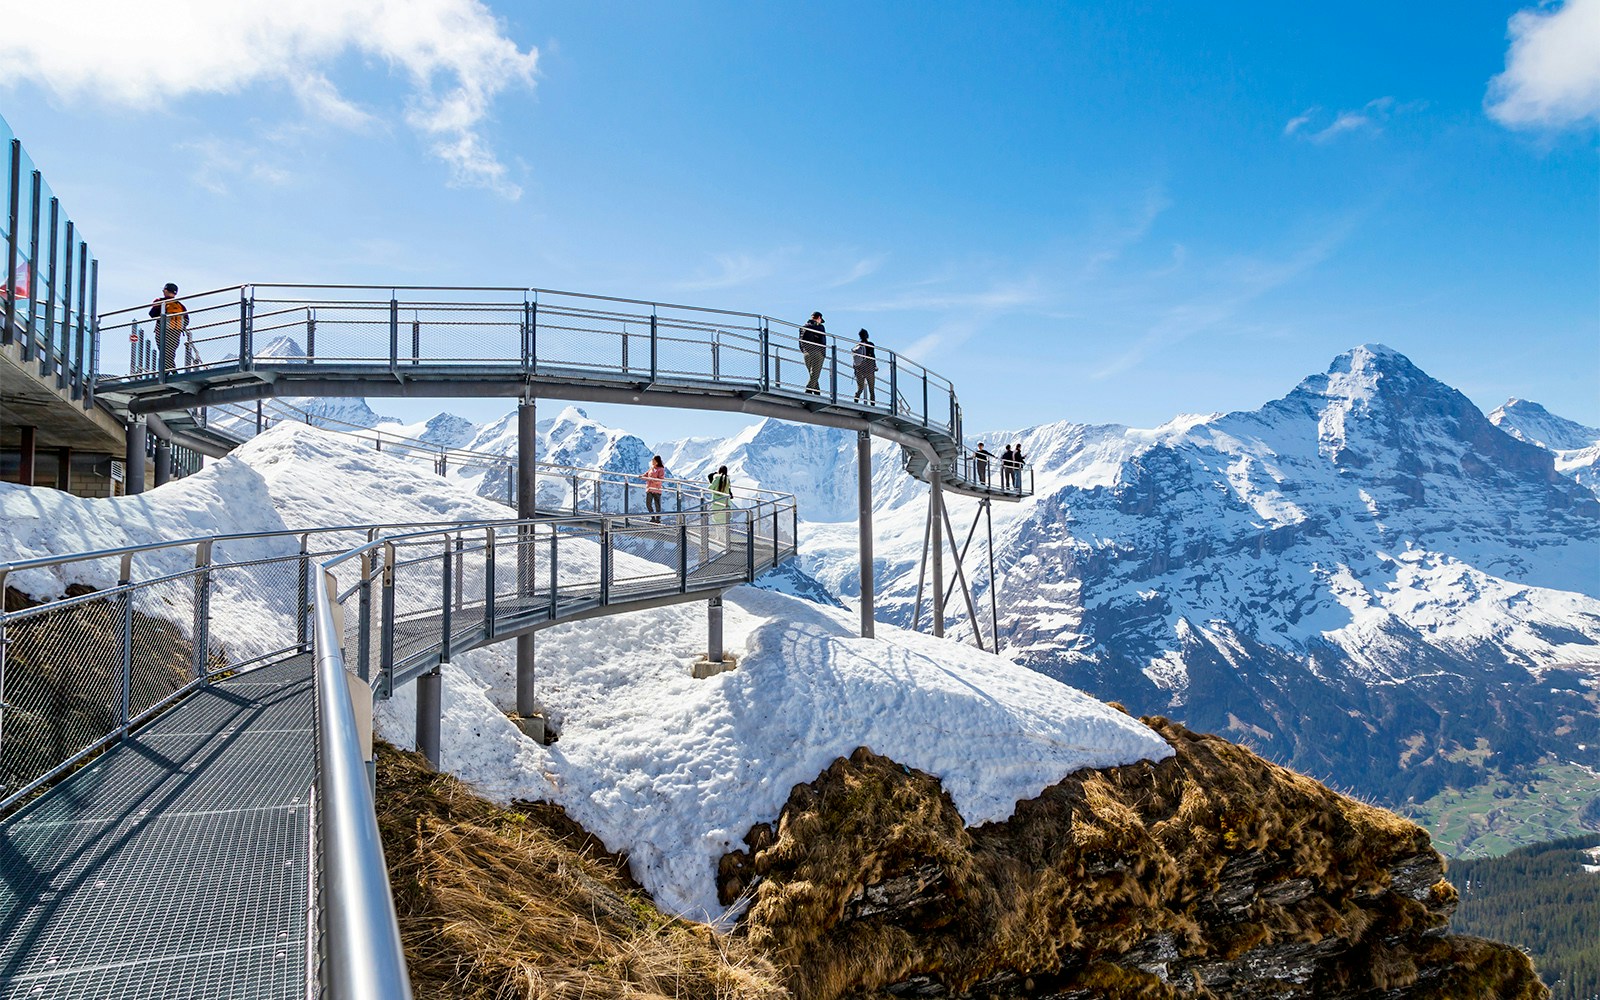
{"x": 534, "y": 331}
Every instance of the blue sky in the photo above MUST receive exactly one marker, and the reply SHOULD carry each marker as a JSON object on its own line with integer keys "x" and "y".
{"x": 1109, "y": 212}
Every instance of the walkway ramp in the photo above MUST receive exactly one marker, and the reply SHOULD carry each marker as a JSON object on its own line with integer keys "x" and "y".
{"x": 176, "y": 864}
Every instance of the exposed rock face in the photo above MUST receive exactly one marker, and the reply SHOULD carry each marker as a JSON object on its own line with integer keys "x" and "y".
{"x": 1211, "y": 874}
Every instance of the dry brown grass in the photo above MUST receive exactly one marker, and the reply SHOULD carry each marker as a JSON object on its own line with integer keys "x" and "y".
{"x": 521, "y": 904}
{"x": 1100, "y": 864}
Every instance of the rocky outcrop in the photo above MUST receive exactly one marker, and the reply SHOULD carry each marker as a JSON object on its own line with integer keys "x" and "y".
{"x": 1212, "y": 874}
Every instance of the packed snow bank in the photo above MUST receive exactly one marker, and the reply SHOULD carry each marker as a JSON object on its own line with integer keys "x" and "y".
{"x": 675, "y": 771}
{"x": 671, "y": 770}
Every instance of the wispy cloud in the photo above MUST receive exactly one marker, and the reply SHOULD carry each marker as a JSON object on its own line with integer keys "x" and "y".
{"x": 860, "y": 269}
{"x": 1552, "y": 74}
{"x": 1236, "y": 284}
{"x": 1132, "y": 233}
{"x": 732, "y": 270}
{"x": 219, "y": 164}
{"x": 1316, "y": 125}
{"x": 454, "y": 53}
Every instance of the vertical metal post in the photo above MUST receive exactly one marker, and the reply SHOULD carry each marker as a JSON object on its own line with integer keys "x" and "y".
{"x": 936, "y": 512}
{"x": 302, "y": 615}
{"x": 430, "y": 714}
{"x": 48, "y": 339}
{"x": 605, "y": 561}
{"x": 12, "y": 209}
{"x": 447, "y": 584}
{"x": 94, "y": 335}
{"x": 894, "y": 384}
{"x": 833, "y": 375}
{"x": 133, "y": 472}
{"x": 488, "y": 581}
{"x": 64, "y": 352}
{"x": 394, "y": 332}
{"x": 461, "y": 567}
{"x": 246, "y": 329}
{"x": 527, "y": 496}
{"x": 994, "y": 606}
{"x": 683, "y": 555}
{"x": 31, "y": 347}
{"x": 79, "y": 357}
{"x": 716, "y": 355}
{"x": 766, "y": 344}
{"x": 364, "y": 609}
{"x": 63, "y": 475}
{"x": 163, "y": 461}
{"x": 750, "y": 544}
{"x": 555, "y": 576}
{"x": 27, "y": 455}
{"x": 775, "y": 547}
{"x": 127, "y": 637}
{"x": 714, "y": 628}
{"x": 925, "y": 395}
{"x": 311, "y": 334}
{"x": 654, "y": 352}
{"x": 416, "y": 342}
{"x": 864, "y": 527}
{"x": 202, "y": 606}
{"x": 386, "y": 631}
{"x": 533, "y": 336}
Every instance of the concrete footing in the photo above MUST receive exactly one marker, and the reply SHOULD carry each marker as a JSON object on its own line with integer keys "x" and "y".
{"x": 534, "y": 727}
{"x": 707, "y": 667}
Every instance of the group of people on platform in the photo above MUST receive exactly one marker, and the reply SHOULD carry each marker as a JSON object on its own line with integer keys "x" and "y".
{"x": 863, "y": 360}
{"x": 1011, "y": 462}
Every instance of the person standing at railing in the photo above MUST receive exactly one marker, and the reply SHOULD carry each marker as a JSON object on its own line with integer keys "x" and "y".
{"x": 721, "y": 500}
{"x": 172, "y": 319}
{"x": 1005, "y": 468}
{"x": 653, "y": 478}
{"x": 866, "y": 366}
{"x": 814, "y": 349}
{"x": 1016, "y": 460}
{"x": 980, "y": 464}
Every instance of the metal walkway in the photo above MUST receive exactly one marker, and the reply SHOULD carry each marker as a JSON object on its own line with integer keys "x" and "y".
{"x": 176, "y": 865}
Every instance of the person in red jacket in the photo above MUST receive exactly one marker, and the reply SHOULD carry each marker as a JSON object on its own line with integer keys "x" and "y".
{"x": 653, "y": 478}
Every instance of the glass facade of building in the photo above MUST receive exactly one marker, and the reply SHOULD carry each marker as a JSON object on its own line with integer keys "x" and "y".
{"x": 48, "y": 285}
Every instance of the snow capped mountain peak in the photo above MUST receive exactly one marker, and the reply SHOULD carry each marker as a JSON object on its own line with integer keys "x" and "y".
{"x": 282, "y": 347}
{"x": 1528, "y": 421}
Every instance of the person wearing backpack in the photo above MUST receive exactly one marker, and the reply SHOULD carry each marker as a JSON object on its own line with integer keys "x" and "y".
{"x": 814, "y": 348}
{"x": 866, "y": 367}
{"x": 721, "y": 500}
{"x": 172, "y": 319}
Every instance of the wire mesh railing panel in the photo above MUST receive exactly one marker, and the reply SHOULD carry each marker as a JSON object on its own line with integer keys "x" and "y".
{"x": 162, "y": 623}
{"x": 63, "y": 678}
{"x": 252, "y": 612}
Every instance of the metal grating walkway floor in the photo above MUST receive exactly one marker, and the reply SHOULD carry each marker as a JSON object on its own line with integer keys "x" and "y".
{"x": 177, "y": 864}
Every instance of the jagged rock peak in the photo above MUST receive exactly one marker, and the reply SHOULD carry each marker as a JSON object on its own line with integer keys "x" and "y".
{"x": 1531, "y": 422}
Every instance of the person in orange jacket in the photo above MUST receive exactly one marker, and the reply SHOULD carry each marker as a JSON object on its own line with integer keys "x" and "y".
{"x": 172, "y": 319}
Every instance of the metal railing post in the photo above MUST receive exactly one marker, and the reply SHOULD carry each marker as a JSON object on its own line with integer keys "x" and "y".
{"x": 416, "y": 341}
{"x": 750, "y": 544}
{"x": 925, "y": 396}
{"x": 833, "y": 375}
{"x": 488, "y": 581}
{"x": 80, "y": 341}
{"x": 766, "y": 368}
{"x": 683, "y": 555}
{"x": 135, "y": 340}
{"x": 447, "y": 622}
{"x": 247, "y": 299}
{"x": 12, "y": 207}
{"x": 302, "y": 616}
{"x": 30, "y": 346}
{"x": 386, "y": 633}
{"x": 533, "y": 336}
{"x": 394, "y": 332}
{"x": 554, "y": 576}
{"x": 605, "y": 562}
{"x": 364, "y": 610}
{"x": 311, "y": 334}
{"x": 93, "y": 375}
{"x": 461, "y": 567}
{"x": 775, "y": 534}
{"x": 894, "y": 384}
{"x": 202, "y": 606}
{"x": 654, "y": 354}
{"x": 124, "y": 579}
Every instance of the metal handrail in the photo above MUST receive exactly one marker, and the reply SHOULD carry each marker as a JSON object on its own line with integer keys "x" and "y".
{"x": 363, "y": 958}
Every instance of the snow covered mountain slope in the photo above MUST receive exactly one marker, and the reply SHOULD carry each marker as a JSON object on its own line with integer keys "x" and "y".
{"x": 670, "y": 770}
{"x": 1575, "y": 446}
{"x": 1365, "y": 579}
{"x": 571, "y": 437}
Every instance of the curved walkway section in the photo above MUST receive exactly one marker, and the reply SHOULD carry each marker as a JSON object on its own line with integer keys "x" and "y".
{"x": 252, "y": 341}
{"x": 196, "y": 828}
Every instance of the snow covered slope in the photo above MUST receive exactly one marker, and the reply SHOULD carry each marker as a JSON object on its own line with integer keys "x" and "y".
{"x": 1575, "y": 446}
{"x": 670, "y": 770}
{"x": 1364, "y": 579}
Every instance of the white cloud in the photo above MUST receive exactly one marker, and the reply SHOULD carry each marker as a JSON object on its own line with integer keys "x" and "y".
{"x": 454, "y": 55}
{"x": 1552, "y": 75}
{"x": 1370, "y": 117}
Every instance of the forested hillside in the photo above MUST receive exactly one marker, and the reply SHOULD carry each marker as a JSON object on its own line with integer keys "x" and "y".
{"x": 1544, "y": 900}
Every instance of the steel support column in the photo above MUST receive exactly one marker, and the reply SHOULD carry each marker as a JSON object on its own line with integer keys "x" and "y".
{"x": 27, "y": 457}
{"x": 714, "y": 629}
{"x": 430, "y": 714}
{"x": 163, "y": 461}
{"x": 864, "y": 523}
{"x": 133, "y": 465}
{"x": 936, "y": 514}
{"x": 527, "y": 434}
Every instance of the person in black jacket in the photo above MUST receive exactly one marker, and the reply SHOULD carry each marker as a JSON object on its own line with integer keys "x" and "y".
{"x": 866, "y": 366}
{"x": 980, "y": 464}
{"x": 172, "y": 319}
{"x": 1006, "y": 468}
{"x": 814, "y": 348}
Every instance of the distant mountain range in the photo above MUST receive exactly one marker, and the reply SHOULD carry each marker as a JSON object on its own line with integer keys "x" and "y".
{"x": 1367, "y": 579}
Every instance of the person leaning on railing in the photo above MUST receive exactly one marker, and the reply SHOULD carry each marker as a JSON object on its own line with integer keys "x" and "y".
{"x": 814, "y": 348}
{"x": 172, "y": 319}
